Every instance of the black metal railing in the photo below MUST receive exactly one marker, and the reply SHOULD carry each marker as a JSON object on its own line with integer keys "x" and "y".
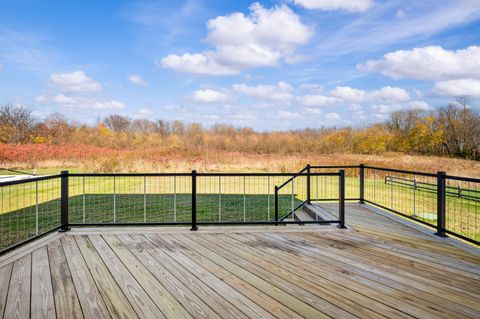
{"x": 188, "y": 199}
{"x": 32, "y": 207}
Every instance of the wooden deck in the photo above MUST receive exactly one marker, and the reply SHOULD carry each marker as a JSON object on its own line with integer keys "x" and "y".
{"x": 377, "y": 268}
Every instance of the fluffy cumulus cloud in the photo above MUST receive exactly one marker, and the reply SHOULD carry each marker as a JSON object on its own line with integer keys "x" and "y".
{"x": 136, "y": 79}
{"x": 427, "y": 63}
{"x": 80, "y": 102}
{"x": 210, "y": 96}
{"x": 265, "y": 37}
{"x": 77, "y": 91}
{"x": 386, "y": 94}
{"x": 461, "y": 87}
{"x": 384, "y": 109}
{"x": 331, "y": 5}
{"x": 316, "y": 100}
{"x": 77, "y": 82}
{"x": 280, "y": 92}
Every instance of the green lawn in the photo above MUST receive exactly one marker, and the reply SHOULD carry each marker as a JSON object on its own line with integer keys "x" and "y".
{"x": 232, "y": 198}
{"x": 21, "y": 224}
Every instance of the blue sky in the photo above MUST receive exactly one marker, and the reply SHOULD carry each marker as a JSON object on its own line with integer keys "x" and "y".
{"x": 269, "y": 65}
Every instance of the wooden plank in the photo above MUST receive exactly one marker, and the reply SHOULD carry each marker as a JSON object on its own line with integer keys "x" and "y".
{"x": 90, "y": 299}
{"x": 157, "y": 292}
{"x": 5, "y": 274}
{"x": 294, "y": 303}
{"x": 244, "y": 304}
{"x": 140, "y": 301}
{"x": 292, "y": 278}
{"x": 18, "y": 300}
{"x": 352, "y": 250}
{"x": 43, "y": 305}
{"x": 338, "y": 256}
{"x": 117, "y": 304}
{"x": 268, "y": 303}
{"x": 208, "y": 293}
{"x": 183, "y": 293}
{"x": 28, "y": 248}
{"x": 65, "y": 295}
{"x": 368, "y": 289}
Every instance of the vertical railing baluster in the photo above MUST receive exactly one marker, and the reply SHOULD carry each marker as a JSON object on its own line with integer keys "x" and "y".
{"x": 219, "y": 198}
{"x": 114, "y": 199}
{"x": 144, "y": 199}
{"x": 341, "y": 203}
{"x": 175, "y": 198}
{"x": 308, "y": 185}
{"x": 441, "y": 204}
{"x": 414, "y": 196}
{"x": 244, "y": 199}
{"x": 276, "y": 205}
{"x": 64, "y": 202}
{"x": 293, "y": 199}
{"x": 362, "y": 183}
{"x": 83, "y": 198}
{"x": 194, "y": 200}
{"x": 36, "y": 208}
{"x": 268, "y": 196}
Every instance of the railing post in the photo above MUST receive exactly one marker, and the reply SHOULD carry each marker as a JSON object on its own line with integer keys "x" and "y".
{"x": 362, "y": 183}
{"x": 194, "y": 200}
{"x": 341, "y": 201}
{"x": 276, "y": 205}
{"x": 308, "y": 185}
{"x": 441, "y": 201}
{"x": 64, "y": 202}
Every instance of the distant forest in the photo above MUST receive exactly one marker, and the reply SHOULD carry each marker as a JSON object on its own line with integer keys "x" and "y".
{"x": 452, "y": 131}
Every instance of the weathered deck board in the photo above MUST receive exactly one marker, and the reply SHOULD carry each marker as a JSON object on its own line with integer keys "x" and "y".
{"x": 377, "y": 268}
{"x": 43, "y": 305}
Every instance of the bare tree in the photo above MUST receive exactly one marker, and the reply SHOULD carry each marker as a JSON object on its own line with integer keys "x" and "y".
{"x": 16, "y": 123}
{"x": 117, "y": 123}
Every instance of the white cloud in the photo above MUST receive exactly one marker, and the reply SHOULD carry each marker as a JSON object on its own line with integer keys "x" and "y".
{"x": 380, "y": 29}
{"x": 210, "y": 96}
{"x": 80, "y": 102}
{"x": 136, "y": 79}
{"x": 144, "y": 111}
{"x": 263, "y": 38}
{"x": 287, "y": 115}
{"x": 318, "y": 100}
{"x": 389, "y": 108}
{"x": 312, "y": 87}
{"x": 386, "y": 94}
{"x": 76, "y": 81}
{"x": 427, "y": 63}
{"x": 461, "y": 87}
{"x": 330, "y": 5}
{"x": 332, "y": 117}
{"x": 108, "y": 105}
{"x": 280, "y": 92}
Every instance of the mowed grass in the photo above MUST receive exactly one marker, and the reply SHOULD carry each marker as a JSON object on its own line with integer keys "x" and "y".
{"x": 22, "y": 224}
{"x": 232, "y": 198}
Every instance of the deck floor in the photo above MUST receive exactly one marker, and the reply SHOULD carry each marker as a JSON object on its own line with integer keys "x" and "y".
{"x": 377, "y": 268}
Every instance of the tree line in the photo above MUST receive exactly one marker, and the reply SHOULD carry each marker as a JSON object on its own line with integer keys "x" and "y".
{"x": 453, "y": 130}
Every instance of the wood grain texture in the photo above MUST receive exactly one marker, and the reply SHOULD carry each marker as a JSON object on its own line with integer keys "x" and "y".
{"x": 90, "y": 299}
{"x": 43, "y": 305}
{"x": 65, "y": 295}
{"x": 18, "y": 300}
{"x": 116, "y": 302}
{"x": 377, "y": 268}
{"x": 5, "y": 274}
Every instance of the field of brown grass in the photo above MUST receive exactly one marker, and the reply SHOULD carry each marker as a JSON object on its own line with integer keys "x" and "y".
{"x": 240, "y": 162}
